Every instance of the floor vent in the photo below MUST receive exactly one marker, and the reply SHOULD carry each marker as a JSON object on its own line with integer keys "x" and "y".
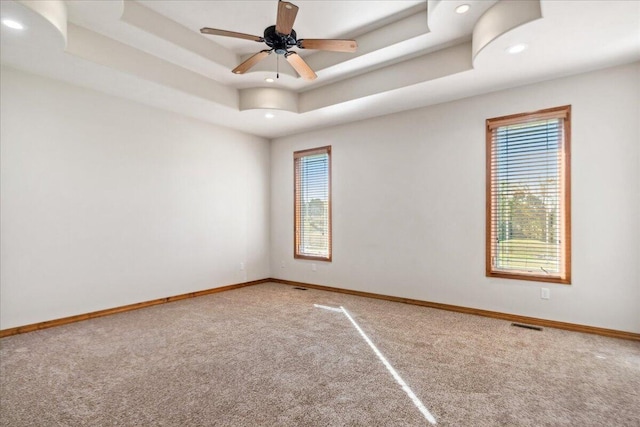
{"x": 522, "y": 325}
{"x": 300, "y": 289}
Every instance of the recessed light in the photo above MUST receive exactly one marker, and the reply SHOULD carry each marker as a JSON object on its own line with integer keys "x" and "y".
{"x": 516, "y": 48}
{"x": 13, "y": 24}
{"x": 463, "y": 8}
{"x": 269, "y": 116}
{"x": 269, "y": 80}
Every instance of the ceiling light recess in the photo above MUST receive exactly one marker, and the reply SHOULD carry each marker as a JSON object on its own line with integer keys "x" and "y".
{"x": 13, "y": 24}
{"x": 463, "y": 8}
{"x": 516, "y": 48}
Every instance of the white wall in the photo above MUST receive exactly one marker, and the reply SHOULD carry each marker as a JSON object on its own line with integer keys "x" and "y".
{"x": 409, "y": 205}
{"x": 106, "y": 202}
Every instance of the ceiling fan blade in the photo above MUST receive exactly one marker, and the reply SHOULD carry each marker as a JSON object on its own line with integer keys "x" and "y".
{"x": 215, "y": 32}
{"x": 300, "y": 66}
{"x": 286, "y": 16}
{"x": 253, "y": 60}
{"x": 328, "y": 44}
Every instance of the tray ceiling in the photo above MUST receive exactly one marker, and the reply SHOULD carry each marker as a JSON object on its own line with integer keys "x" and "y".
{"x": 411, "y": 53}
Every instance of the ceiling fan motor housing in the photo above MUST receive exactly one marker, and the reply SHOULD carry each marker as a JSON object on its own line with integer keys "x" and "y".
{"x": 279, "y": 42}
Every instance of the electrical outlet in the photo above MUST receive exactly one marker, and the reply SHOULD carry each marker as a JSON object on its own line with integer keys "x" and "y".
{"x": 242, "y": 266}
{"x": 544, "y": 293}
{"x": 313, "y": 267}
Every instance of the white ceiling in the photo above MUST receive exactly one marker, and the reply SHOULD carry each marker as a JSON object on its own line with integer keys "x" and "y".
{"x": 411, "y": 53}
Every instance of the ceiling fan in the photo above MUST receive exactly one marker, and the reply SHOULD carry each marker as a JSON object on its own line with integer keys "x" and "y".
{"x": 280, "y": 38}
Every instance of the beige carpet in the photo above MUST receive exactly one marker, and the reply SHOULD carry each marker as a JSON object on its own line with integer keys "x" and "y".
{"x": 266, "y": 356}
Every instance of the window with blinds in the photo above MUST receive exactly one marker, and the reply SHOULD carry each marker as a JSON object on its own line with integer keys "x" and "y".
{"x": 529, "y": 196}
{"x": 312, "y": 203}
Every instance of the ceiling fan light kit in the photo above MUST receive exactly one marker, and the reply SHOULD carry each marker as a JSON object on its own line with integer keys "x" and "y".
{"x": 282, "y": 37}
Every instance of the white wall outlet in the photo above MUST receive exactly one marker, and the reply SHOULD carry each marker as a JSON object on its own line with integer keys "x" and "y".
{"x": 242, "y": 266}
{"x": 544, "y": 293}
{"x": 313, "y": 267}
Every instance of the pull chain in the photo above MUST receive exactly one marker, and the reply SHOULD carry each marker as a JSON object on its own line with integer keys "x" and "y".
{"x": 278, "y": 67}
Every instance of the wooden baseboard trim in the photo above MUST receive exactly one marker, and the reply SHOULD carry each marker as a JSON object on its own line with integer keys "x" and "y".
{"x": 72, "y": 319}
{"x": 459, "y": 309}
{"x": 467, "y": 310}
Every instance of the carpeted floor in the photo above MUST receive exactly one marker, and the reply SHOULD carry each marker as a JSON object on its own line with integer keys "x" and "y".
{"x": 266, "y": 356}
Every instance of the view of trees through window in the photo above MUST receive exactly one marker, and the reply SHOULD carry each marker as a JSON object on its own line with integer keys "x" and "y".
{"x": 528, "y": 190}
{"x": 527, "y": 198}
{"x": 312, "y": 204}
{"x": 314, "y": 227}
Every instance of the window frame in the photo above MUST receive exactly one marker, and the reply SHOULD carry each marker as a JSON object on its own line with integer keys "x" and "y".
{"x": 564, "y": 114}
{"x": 296, "y": 219}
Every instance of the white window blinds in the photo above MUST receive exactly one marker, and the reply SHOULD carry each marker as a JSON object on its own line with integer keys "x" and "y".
{"x": 528, "y": 203}
{"x": 312, "y": 199}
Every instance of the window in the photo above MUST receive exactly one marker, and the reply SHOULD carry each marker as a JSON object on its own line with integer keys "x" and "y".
{"x": 529, "y": 196}
{"x": 312, "y": 204}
